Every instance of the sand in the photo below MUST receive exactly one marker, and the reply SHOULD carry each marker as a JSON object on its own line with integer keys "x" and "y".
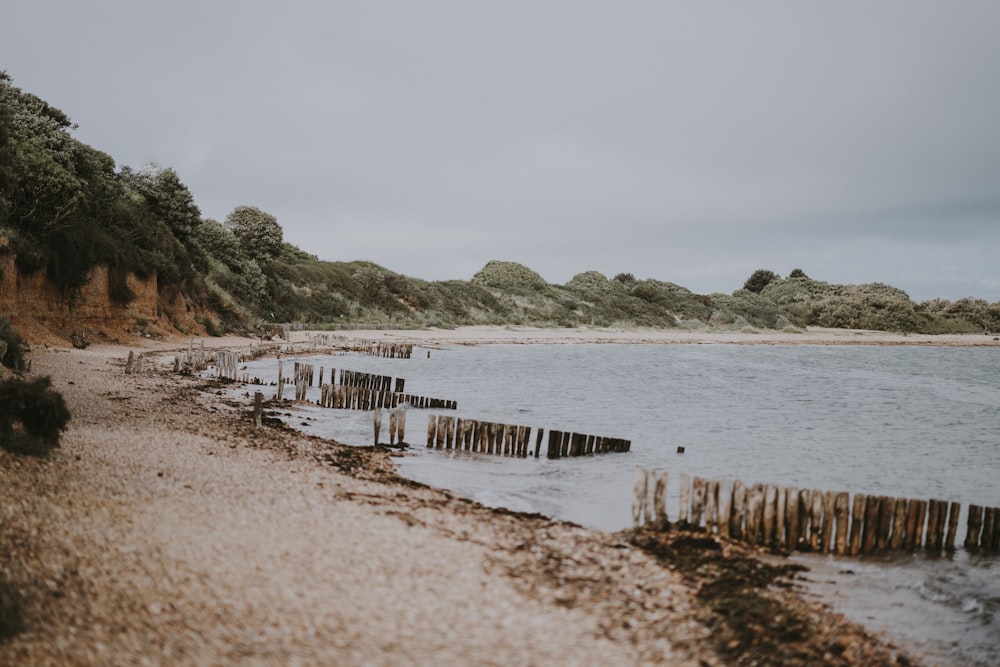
{"x": 167, "y": 529}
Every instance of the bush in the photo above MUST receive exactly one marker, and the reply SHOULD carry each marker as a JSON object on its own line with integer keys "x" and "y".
{"x": 13, "y": 356}
{"x": 11, "y": 617}
{"x": 759, "y": 280}
{"x": 32, "y": 415}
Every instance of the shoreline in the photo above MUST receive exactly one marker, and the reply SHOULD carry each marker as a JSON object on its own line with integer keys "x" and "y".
{"x": 167, "y": 527}
{"x": 527, "y": 335}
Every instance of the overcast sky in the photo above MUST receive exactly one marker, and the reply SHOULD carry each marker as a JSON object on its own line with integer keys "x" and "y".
{"x": 692, "y": 142}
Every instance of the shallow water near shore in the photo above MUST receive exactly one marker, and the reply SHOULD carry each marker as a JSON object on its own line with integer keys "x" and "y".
{"x": 899, "y": 421}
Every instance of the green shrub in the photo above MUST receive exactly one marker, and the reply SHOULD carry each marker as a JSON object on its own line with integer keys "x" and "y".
{"x": 14, "y": 355}
{"x": 759, "y": 279}
{"x": 32, "y": 415}
{"x": 11, "y": 615}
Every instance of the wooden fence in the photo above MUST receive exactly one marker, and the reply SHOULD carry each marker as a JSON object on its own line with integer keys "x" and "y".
{"x": 471, "y": 435}
{"x": 377, "y": 348}
{"x": 788, "y": 518}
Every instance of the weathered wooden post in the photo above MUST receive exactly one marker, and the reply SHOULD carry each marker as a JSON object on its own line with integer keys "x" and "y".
{"x": 815, "y": 519}
{"x": 431, "y": 430}
{"x": 953, "y": 511}
{"x": 711, "y": 505}
{"x": 697, "y": 501}
{"x": 755, "y": 513}
{"x": 826, "y": 532}
{"x": 920, "y": 508}
{"x": 661, "y": 501}
{"x": 857, "y": 522}
{"x": 841, "y": 513}
{"x": 738, "y": 513}
{"x": 870, "y": 537}
{"x": 725, "y": 507}
{"x": 683, "y": 511}
{"x": 392, "y": 426}
{"x": 650, "y": 502}
{"x": 898, "y": 524}
{"x": 974, "y": 524}
{"x": 638, "y": 497}
{"x": 886, "y": 507}
{"x": 770, "y": 508}
{"x": 791, "y": 519}
{"x": 933, "y": 519}
{"x": 805, "y": 516}
{"x": 780, "y": 510}
{"x": 258, "y": 408}
{"x": 989, "y": 528}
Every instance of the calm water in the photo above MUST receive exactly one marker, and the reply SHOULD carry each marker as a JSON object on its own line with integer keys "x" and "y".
{"x": 899, "y": 421}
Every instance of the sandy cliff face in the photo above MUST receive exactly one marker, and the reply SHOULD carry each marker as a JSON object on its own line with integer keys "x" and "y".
{"x": 41, "y": 314}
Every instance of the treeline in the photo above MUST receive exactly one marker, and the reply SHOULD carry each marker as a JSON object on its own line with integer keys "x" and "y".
{"x": 66, "y": 207}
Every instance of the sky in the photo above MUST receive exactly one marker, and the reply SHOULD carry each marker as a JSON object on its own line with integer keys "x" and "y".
{"x": 690, "y": 142}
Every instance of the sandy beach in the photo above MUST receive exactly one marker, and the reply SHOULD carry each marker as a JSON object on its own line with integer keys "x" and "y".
{"x": 168, "y": 529}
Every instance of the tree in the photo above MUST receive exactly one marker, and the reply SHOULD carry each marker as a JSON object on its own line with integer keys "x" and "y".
{"x": 760, "y": 279}
{"x": 258, "y": 233}
{"x": 797, "y": 273}
{"x": 167, "y": 198}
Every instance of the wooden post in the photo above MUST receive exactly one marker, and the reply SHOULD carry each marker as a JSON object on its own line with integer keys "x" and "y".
{"x": 638, "y": 497}
{"x": 711, "y": 505}
{"x": 918, "y": 531}
{"x": 650, "y": 502}
{"x": 725, "y": 507}
{"x": 989, "y": 527}
{"x": 770, "y": 508}
{"x": 933, "y": 519}
{"x": 258, "y": 408}
{"x": 857, "y": 522}
{"x": 898, "y": 524}
{"x": 910, "y": 540}
{"x": 661, "y": 501}
{"x": 994, "y": 544}
{"x": 841, "y": 513}
{"x": 739, "y": 511}
{"x": 869, "y": 539}
{"x": 377, "y": 421}
{"x": 683, "y": 511}
{"x": 538, "y": 441}
{"x": 780, "y": 512}
{"x": 826, "y": 533}
{"x": 791, "y": 519}
{"x": 755, "y": 513}
{"x": 697, "y": 501}
{"x": 953, "y": 511}
{"x": 392, "y": 426}
{"x": 973, "y": 526}
{"x": 815, "y": 519}
{"x": 401, "y": 427}
{"x": 886, "y": 508}
{"x": 805, "y": 517}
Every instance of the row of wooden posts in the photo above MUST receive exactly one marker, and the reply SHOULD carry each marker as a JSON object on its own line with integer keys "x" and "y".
{"x": 356, "y": 391}
{"x": 471, "y": 435}
{"x": 377, "y": 348}
{"x": 787, "y": 518}
{"x": 370, "y": 381}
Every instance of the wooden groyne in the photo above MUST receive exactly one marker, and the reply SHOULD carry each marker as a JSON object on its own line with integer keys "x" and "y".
{"x": 472, "y": 435}
{"x": 383, "y": 349}
{"x": 793, "y": 519}
{"x": 356, "y": 390}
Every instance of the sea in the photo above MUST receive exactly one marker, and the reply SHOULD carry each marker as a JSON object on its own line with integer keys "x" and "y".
{"x": 914, "y": 421}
